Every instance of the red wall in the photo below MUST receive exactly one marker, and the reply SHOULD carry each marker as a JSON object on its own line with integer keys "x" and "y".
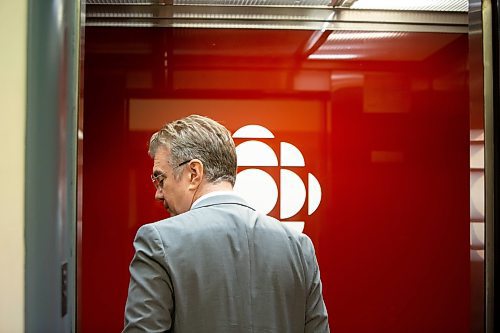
{"x": 387, "y": 136}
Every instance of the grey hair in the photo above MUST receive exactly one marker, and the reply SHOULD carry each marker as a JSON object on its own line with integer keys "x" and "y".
{"x": 201, "y": 138}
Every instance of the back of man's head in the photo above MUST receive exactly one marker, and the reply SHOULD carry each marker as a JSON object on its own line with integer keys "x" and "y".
{"x": 201, "y": 138}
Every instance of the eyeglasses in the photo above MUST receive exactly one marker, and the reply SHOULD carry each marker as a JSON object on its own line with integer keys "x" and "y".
{"x": 160, "y": 178}
{"x": 187, "y": 161}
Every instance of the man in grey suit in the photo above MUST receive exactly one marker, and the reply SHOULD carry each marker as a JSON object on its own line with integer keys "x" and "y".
{"x": 216, "y": 265}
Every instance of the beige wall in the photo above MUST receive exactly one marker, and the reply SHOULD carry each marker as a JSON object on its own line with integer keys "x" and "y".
{"x": 13, "y": 41}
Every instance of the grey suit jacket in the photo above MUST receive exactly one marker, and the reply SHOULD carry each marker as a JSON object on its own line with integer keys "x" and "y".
{"x": 223, "y": 267}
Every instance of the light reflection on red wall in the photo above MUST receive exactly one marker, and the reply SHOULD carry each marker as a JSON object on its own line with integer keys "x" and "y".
{"x": 386, "y": 136}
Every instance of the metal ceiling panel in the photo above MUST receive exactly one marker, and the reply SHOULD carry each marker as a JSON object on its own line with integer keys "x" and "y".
{"x": 258, "y": 3}
{"x": 364, "y": 15}
{"x": 254, "y": 3}
{"x": 256, "y": 17}
{"x": 400, "y": 5}
{"x": 413, "y": 5}
{"x": 125, "y": 2}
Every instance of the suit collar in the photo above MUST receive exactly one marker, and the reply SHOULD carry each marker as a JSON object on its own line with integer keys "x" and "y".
{"x": 223, "y": 198}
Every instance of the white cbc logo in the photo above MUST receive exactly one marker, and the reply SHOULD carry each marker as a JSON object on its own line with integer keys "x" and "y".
{"x": 260, "y": 189}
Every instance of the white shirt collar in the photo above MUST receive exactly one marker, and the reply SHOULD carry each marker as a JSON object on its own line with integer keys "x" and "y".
{"x": 211, "y": 194}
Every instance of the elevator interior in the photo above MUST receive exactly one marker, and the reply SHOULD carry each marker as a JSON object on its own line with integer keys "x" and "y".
{"x": 375, "y": 95}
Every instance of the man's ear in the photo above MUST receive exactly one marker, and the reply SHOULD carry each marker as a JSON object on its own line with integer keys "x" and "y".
{"x": 196, "y": 172}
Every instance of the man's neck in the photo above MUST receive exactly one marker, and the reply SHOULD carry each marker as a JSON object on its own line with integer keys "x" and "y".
{"x": 206, "y": 188}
